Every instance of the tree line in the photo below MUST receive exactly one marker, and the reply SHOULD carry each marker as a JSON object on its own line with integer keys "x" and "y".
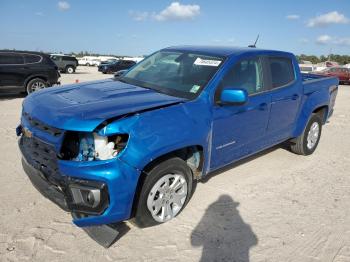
{"x": 340, "y": 59}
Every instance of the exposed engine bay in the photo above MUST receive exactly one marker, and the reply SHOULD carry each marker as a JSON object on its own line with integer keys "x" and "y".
{"x": 81, "y": 146}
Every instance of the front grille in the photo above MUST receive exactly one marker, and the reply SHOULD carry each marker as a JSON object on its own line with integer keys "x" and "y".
{"x": 40, "y": 125}
{"x": 41, "y": 156}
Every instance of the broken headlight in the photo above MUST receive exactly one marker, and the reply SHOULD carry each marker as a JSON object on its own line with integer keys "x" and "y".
{"x": 91, "y": 146}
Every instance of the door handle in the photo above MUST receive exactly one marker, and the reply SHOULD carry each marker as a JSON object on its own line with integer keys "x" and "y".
{"x": 263, "y": 106}
{"x": 295, "y": 97}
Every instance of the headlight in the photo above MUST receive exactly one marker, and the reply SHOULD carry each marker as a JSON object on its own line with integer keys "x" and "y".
{"x": 91, "y": 146}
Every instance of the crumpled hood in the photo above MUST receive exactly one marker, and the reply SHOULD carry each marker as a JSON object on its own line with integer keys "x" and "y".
{"x": 84, "y": 106}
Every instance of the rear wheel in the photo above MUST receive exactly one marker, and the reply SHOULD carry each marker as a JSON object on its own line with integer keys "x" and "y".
{"x": 307, "y": 142}
{"x": 70, "y": 69}
{"x": 166, "y": 191}
{"x": 35, "y": 84}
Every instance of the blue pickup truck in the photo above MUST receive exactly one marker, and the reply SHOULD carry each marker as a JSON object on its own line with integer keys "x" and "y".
{"x": 133, "y": 146}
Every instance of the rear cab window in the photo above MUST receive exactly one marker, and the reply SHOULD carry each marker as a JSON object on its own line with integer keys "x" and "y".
{"x": 282, "y": 71}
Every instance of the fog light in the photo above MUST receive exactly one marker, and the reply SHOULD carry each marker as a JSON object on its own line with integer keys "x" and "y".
{"x": 85, "y": 196}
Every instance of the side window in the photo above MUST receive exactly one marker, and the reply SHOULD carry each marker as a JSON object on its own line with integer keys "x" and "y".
{"x": 282, "y": 71}
{"x": 31, "y": 59}
{"x": 11, "y": 59}
{"x": 333, "y": 70}
{"x": 246, "y": 74}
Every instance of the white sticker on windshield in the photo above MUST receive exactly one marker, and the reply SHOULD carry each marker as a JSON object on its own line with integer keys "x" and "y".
{"x": 207, "y": 62}
{"x": 195, "y": 88}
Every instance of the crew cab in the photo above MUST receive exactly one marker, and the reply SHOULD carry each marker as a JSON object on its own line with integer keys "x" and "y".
{"x": 132, "y": 147}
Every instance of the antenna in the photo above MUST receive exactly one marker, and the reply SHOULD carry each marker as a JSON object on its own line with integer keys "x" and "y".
{"x": 254, "y": 46}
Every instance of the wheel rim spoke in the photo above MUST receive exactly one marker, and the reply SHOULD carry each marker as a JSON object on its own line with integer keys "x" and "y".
{"x": 167, "y": 197}
{"x": 313, "y": 135}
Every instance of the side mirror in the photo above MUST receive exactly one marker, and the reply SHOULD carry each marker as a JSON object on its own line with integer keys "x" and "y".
{"x": 233, "y": 96}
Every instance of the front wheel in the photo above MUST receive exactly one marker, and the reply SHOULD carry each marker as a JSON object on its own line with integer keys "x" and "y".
{"x": 166, "y": 191}
{"x": 307, "y": 142}
{"x": 35, "y": 84}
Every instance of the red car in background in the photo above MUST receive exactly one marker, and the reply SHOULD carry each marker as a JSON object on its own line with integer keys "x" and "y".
{"x": 342, "y": 73}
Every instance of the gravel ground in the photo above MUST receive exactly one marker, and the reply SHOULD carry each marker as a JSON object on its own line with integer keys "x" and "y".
{"x": 276, "y": 206}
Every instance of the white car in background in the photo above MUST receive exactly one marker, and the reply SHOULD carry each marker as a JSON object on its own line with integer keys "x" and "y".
{"x": 87, "y": 60}
{"x": 307, "y": 68}
{"x": 135, "y": 59}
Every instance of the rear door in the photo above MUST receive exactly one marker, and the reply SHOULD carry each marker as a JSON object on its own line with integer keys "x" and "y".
{"x": 12, "y": 69}
{"x": 285, "y": 97}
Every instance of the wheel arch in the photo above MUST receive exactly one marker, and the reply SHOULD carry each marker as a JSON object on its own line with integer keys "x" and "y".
{"x": 28, "y": 79}
{"x": 322, "y": 112}
{"x": 193, "y": 155}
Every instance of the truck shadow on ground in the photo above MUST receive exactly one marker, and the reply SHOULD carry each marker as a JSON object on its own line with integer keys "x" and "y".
{"x": 223, "y": 234}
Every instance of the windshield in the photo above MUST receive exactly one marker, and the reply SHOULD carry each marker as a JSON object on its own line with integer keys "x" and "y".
{"x": 175, "y": 73}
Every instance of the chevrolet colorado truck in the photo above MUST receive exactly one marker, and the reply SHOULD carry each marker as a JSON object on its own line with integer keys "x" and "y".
{"x": 133, "y": 146}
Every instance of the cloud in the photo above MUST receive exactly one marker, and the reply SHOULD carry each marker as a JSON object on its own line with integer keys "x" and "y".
{"x": 327, "y": 19}
{"x": 345, "y": 41}
{"x": 39, "y": 14}
{"x": 323, "y": 39}
{"x": 177, "y": 11}
{"x": 139, "y": 16}
{"x": 63, "y": 5}
{"x": 292, "y": 17}
{"x": 326, "y": 39}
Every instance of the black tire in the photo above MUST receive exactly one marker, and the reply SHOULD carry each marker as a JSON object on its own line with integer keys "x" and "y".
{"x": 87, "y": 64}
{"x": 34, "y": 84}
{"x": 300, "y": 144}
{"x": 143, "y": 217}
{"x": 70, "y": 69}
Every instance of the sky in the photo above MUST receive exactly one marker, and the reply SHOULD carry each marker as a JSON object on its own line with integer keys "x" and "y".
{"x": 142, "y": 27}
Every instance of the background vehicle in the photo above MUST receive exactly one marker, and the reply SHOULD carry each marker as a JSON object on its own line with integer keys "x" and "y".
{"x": 307, "y": 68}
{"x": 27, "y": 71}
{"x": 132, "y": 147}
{"x": 116, "y": 66}
{"x": 95, "y": 62}
{"x": 342, "y": 73}
{"x": 65, "y": 63}
{"x": 135, "y": 59}
{"x": 109, "y": 61}
{"x": 87, "y": 60}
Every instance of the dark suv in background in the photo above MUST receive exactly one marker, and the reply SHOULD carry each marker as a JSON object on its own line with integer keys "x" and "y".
{"x": 27, "y": 71}
{"x": 65, "y": 63}
{"x": 116, "y": 66}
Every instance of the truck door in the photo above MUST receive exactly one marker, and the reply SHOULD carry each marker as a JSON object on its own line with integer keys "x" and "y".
{"x": 239, "y": 130}
{"x": 285, "y": 97}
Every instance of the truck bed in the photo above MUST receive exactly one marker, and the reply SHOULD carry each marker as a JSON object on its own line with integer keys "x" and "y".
{"x": 313, "y": 83}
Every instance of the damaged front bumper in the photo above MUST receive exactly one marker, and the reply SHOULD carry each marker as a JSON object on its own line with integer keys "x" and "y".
{"x": 96, "y": 192}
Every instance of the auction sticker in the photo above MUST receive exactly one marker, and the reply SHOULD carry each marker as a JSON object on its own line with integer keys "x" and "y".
{"x": 207, "y": 62}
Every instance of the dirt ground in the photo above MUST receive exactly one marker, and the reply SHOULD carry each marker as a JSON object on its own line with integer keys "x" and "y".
{"x": 276, "y": 206}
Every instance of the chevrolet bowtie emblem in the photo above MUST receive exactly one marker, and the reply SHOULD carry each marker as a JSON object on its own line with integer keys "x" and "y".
{"x": 27, "y": 133}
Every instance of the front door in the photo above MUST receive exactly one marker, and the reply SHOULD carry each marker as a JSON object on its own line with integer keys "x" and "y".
{"x": 239, "y": 130}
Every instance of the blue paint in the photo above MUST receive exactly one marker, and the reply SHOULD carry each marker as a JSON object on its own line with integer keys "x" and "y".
{"x": 233, "y": 96}
{"x": 158, "y": 123}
